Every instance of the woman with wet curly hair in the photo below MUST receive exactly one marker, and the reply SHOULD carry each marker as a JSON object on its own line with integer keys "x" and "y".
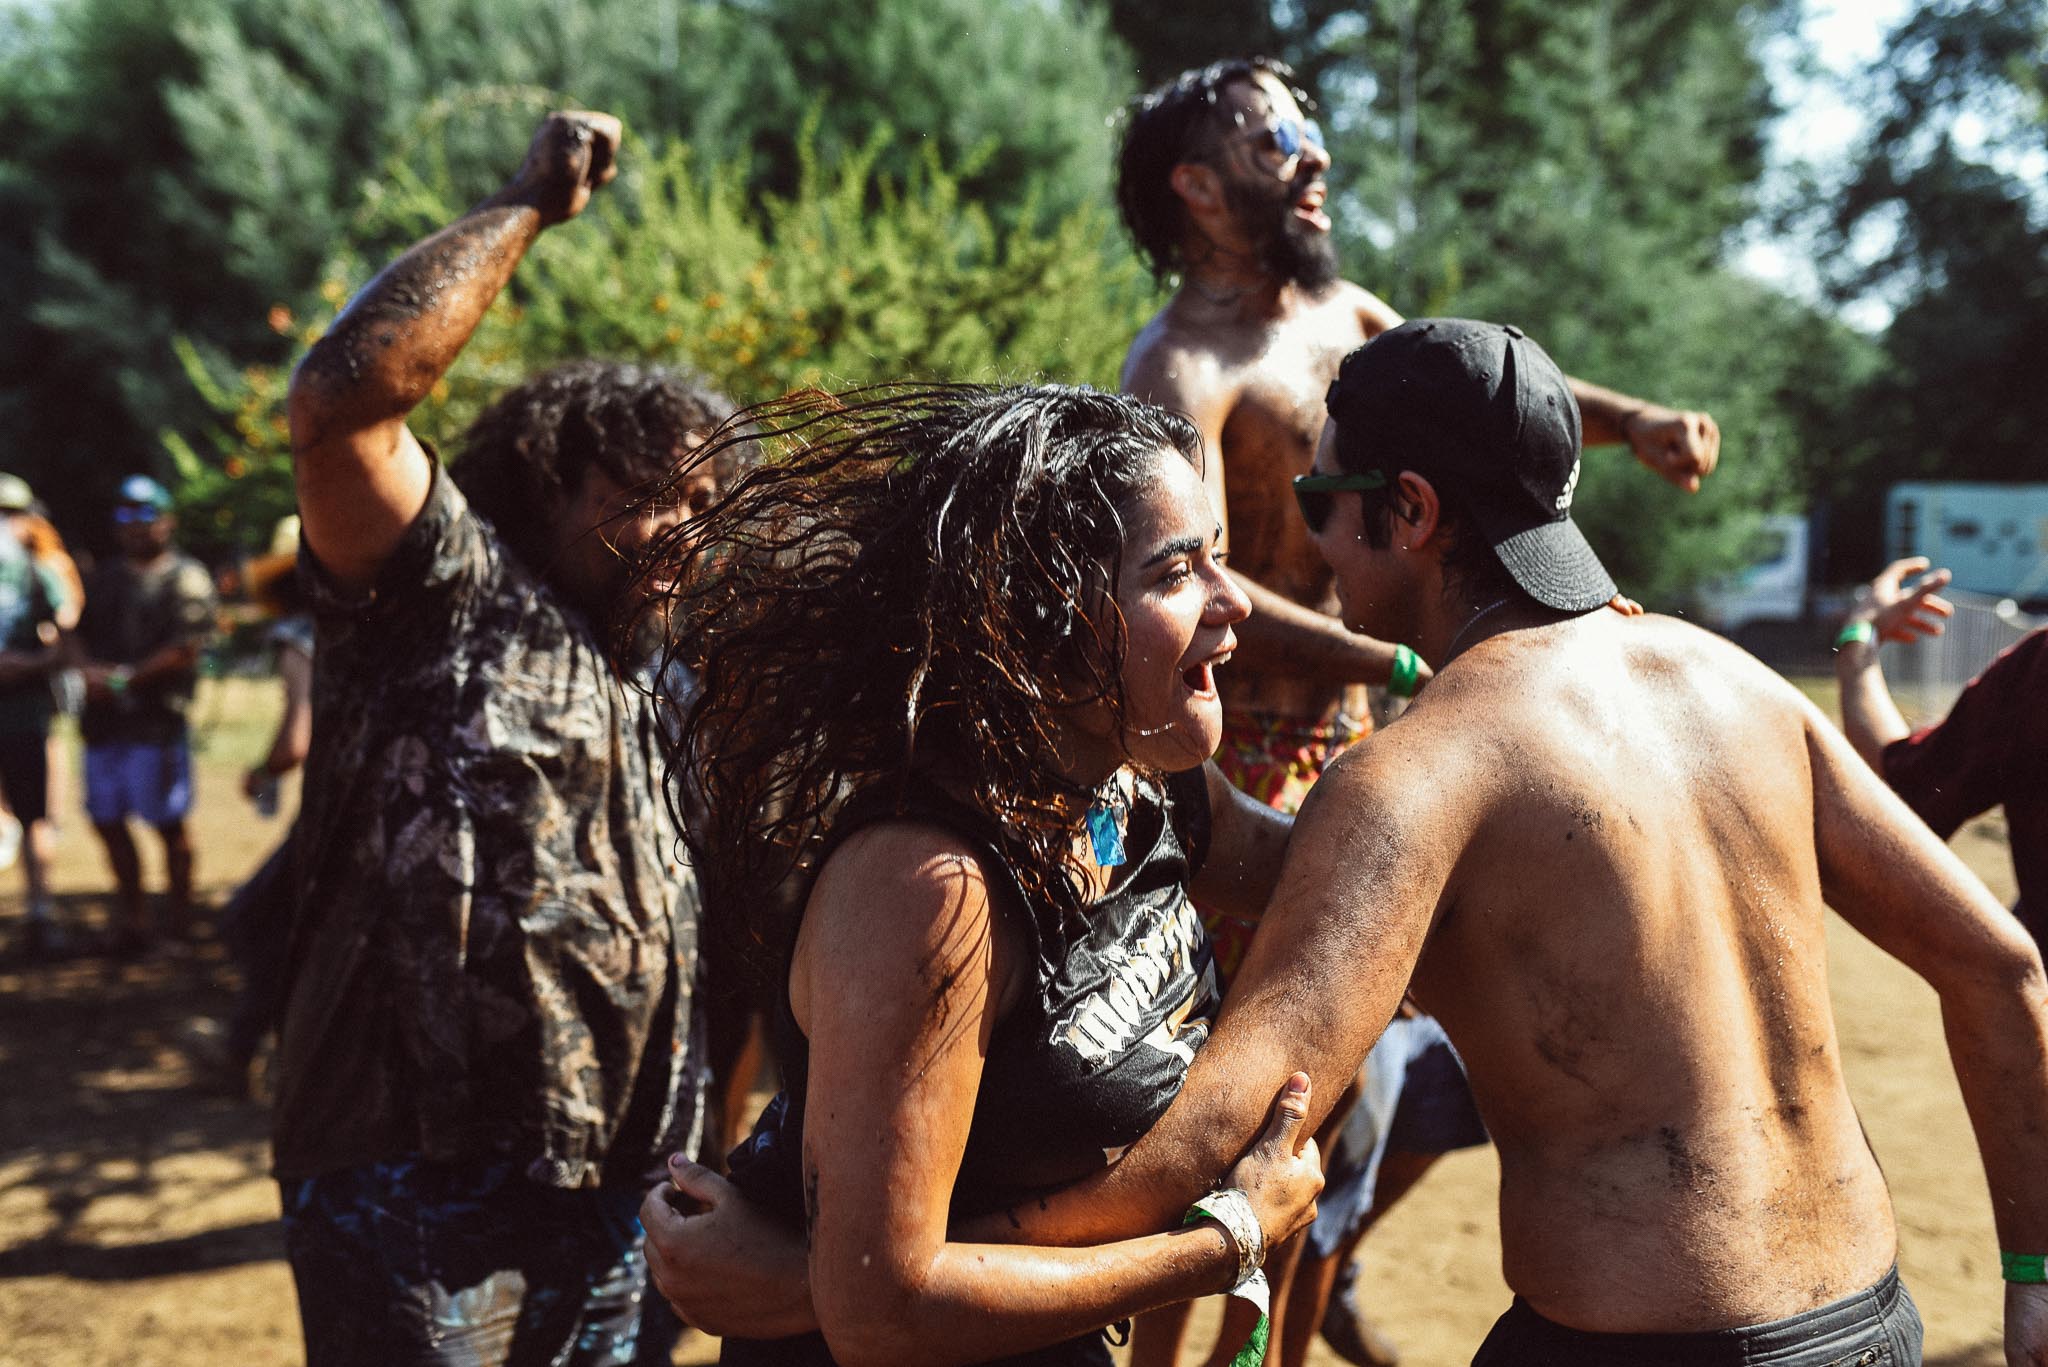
{"x": 956, "y": 651}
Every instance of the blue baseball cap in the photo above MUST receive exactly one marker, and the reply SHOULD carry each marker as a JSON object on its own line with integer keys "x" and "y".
{"x": 143, "y": 492}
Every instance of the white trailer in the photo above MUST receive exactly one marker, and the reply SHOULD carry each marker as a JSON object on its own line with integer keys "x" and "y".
{"x": 1993, "y": 537}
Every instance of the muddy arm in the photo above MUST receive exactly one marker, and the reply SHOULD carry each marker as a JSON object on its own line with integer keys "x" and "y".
{"x": 362, "y": 476}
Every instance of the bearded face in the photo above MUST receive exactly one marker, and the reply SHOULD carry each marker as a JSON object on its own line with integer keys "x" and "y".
{"x": 1270, "y": 160}
{"x": 1289, "y": 245}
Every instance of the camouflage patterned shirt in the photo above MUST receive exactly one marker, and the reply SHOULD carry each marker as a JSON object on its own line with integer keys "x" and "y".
{"x": 496, "y": 937}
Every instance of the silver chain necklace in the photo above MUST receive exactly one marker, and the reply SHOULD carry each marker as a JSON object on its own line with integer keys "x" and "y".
{"x": 1451, "y": 650}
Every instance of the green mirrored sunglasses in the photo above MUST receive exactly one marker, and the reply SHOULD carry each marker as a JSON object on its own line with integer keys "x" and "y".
{"x": 1313, "y": 492}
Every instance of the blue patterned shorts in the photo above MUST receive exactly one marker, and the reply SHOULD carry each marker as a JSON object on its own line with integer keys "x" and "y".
{"x": 463, "y": 1265}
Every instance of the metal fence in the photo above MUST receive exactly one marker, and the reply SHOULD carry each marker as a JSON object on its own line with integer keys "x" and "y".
{"x": 1925, "y": 676}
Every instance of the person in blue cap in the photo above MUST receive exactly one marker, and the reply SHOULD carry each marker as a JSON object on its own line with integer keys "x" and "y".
{"x": 148, "y": 611}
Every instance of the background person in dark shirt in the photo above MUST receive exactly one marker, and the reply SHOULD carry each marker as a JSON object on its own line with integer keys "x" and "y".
{"x": 1992, "y": 748}
{"x": 29, "y": 649}
{"x": 147, "y": 613}
{"x": 482, "y": 1045}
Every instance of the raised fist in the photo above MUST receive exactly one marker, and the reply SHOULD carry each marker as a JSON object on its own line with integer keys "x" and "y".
{"x": 573, "y": 152}
{"x": 1681, "y": 447}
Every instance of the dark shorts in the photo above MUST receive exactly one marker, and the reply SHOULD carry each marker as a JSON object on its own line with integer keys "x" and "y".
{"x": 25, "y": 774}
{"x": 1090, "y": 1350}
{"x": 1879, "y": 1327}
{"x": 411, "y": 1264}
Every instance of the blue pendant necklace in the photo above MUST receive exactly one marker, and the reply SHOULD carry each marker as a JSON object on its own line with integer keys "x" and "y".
{"x": 1106, "y": 822}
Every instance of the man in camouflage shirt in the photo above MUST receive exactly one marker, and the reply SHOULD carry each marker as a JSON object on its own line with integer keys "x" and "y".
{"x": 489, "y": 990}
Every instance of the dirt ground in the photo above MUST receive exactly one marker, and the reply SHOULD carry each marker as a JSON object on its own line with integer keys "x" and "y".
{"x": 137, "y": 1225}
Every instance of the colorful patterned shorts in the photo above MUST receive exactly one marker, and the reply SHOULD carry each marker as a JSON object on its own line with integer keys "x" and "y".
{"x": 1276, "y": 760}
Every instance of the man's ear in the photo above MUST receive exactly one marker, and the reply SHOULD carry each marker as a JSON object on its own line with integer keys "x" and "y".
{"x": 1198, "y": 186}
{"x": 1418, "y": 512}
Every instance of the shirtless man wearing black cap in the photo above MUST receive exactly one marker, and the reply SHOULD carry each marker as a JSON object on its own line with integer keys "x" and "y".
{"x": 1602, "y": 846}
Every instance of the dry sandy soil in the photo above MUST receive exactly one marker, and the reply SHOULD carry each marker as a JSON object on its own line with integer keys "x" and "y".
{"x": 137, "y": 1225}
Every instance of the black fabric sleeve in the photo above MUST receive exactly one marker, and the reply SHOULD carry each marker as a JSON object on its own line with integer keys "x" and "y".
{"x": 1187, "y": 799}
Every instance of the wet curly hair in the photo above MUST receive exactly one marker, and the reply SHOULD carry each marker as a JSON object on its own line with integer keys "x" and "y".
{"x": 1165, "y": 127}
{"x": 529, "y": 451}
{"x": 906, "y": 580}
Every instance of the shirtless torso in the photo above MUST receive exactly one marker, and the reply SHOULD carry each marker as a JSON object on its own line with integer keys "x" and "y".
{"x": 1629, "y": 954}
{"x": 1605, "y": 847}
{"x": 1251, "y": 371}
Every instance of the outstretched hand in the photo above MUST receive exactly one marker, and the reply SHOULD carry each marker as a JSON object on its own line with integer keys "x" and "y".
{"x": 1907, "y": 614}
{"x": 1682, "y": 447}
{"x": 572, "y": 153}
{"x": 1283, "y": 1173}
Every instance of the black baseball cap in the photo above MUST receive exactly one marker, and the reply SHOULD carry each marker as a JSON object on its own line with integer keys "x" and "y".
{"x": 1487, "y": 417}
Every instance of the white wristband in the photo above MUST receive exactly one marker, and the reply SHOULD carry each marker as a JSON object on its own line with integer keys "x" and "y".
{"x": 1232, "y": 1209}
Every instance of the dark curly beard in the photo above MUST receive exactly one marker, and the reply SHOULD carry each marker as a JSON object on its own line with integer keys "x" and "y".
{"x": 1288, "y": 249}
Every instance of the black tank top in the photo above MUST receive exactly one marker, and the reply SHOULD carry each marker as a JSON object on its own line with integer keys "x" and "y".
{"x": 1077, "y": 1070}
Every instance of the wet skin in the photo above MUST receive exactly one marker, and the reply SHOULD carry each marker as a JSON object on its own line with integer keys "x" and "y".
{"x": 1602, "y": 849}
{"x": 362, "y": 476}
{"x": 1249, "y": 358}
{"x": 1630, "y": 955}
{"x": 1604, "y": 846}
{"x": 1251, "y": 370}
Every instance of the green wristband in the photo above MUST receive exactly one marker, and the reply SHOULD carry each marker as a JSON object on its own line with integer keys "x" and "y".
{"x": 1407, "y": 669}
{"x": 2031, "y": 1268}
{"x": 1858, "y": 632}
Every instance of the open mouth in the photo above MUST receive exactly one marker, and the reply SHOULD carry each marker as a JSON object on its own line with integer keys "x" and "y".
{"x": 1201, "y": 678}
{"x": 1309, "y": 206}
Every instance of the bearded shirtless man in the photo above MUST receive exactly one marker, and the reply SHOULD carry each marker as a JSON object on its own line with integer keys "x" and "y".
{"x": 1221, "y": 181}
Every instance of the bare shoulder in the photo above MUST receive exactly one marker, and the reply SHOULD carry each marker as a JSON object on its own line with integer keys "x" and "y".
{"x": 1528, "y": 693}
{"x": 1409, "y": 777}
{"x": 1705, "y": 661}
{"x": 902, "y": 909}
{"x": 1173, "y": 365}
{"x": 1375, "y": 315}
{"x": 915, "y": 876}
